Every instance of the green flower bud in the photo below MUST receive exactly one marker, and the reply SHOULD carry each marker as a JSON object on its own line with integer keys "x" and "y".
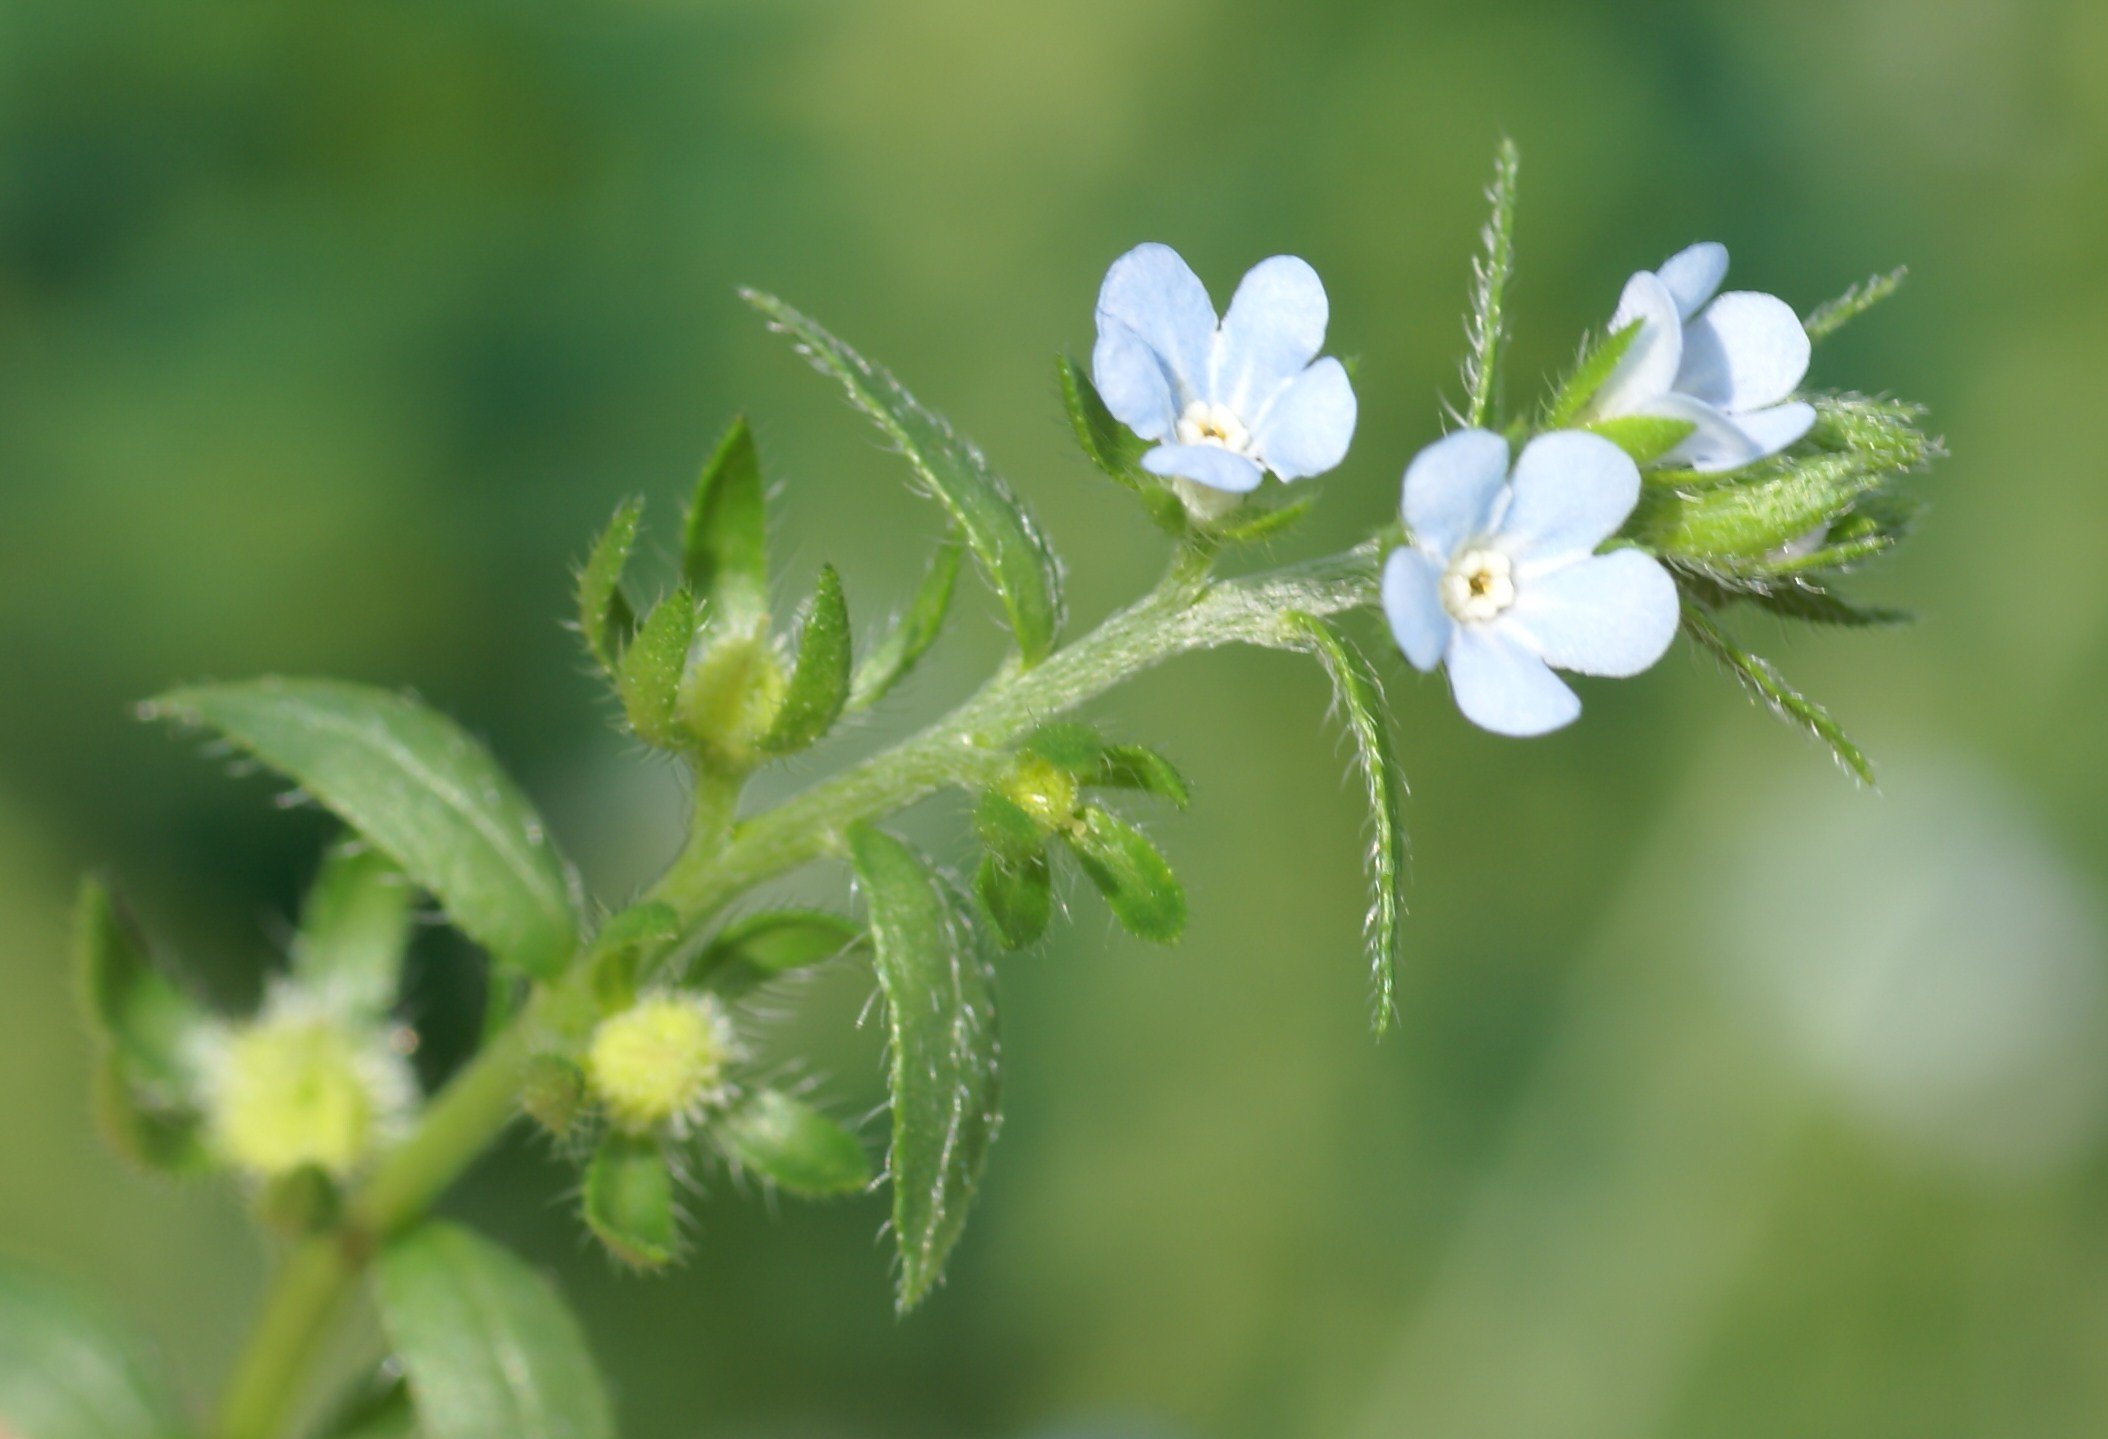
{"x": 299, "y": 1089}
{"x": 730, "y": 696}
{"x": 661, "y": 1063}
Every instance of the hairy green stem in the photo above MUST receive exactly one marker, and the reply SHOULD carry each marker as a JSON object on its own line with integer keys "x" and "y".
{"x": 1186, "y": 612}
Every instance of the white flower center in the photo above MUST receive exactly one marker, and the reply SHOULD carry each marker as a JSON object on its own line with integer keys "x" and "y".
{"x": 1209, "y": 424}
{"x": 1478, "y": 585}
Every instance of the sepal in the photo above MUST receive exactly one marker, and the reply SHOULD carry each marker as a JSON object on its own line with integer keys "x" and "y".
{"x": 793, "y": 1146}
{"x": 630, "y": 1203}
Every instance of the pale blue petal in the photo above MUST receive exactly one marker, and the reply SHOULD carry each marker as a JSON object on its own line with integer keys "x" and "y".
{"x": 1774, "y": 429}
{"x": 1209, "y": 465}
{"x": 1745, "y": 352}
{"x": 1716, "y": 441}
{"x": 1274, "y": 327}
{"x": 1500, "y": 685}
{"x": 1572, "y": 491}
{"x": 1450, "y": 489}
{"x": 1693, "y": 276}
{"x": 1157, "y": 298}
{"x": 1648, "y": 366}
{"x": 1609, "y": 614}
{"x": 1412, "y": 602}
{"x": 1134, "y": 382}
{"x": 1307, "y": 429}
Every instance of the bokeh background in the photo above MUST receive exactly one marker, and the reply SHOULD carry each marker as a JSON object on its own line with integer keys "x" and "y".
{"x": 1730, "y": 1100}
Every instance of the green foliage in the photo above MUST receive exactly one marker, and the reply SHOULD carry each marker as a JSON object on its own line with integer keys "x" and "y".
{"x": 649, "y": 676}
{"x": 1831, "y": 316}
{"x": 793, "y": 1146}
{"x": 1003, "y": 536}
{"x": 1360, "y": 699}
{"x": 355, "y": 929}
{"x": 1139, "y": 887}
{"x": 942, "y": 1049}
{"x": 67, "y": 1373}
{"x": 1644, "y": 437}
{"x": 625, "y": 942}
{"x": 605, "y": 619}
{"x": 1598, "y": 362}
{"x": 750, "y": 952}
{"x": 1005, "y": 827}
{"x": 629, "y": 1201}
{"x": 420, "y": 790}
{"x": 553, "y": 1093}
{"x": 724, "y": 543}
{"x": 819, "y": 681}
{"x": 1250, "y": 523}
{"x": 1487, "y": 326}
{"x": 490, "y": 1349}
{"x": 143, "y": 1027}
{"x": 386, "y": 1413}
{"x": 1764, "y": 682}
{"x": 1133, "y": 766}
{"x": 1017, "y": 891}
{"x": 1116, "y": 450}
{"x": 913, "y": 632}
{"x": 1066, "y": 744}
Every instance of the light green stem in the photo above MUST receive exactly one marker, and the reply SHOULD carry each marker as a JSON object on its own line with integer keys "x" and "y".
{"x": 1184, "y": 613}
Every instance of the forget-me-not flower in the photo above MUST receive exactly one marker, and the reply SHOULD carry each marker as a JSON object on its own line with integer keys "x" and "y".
{"x": 1501, "y": 580}
{"x": 1724, "y": 364}
{"x": 1225, "y": 401}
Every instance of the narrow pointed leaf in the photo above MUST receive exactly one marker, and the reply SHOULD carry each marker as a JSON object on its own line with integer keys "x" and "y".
{"x": 67, "y": 1372}
{"x": 605, "y": 619}
{"x": 913, "y": 632}
{"x": 1005, "y": 828}
{"x": 793, "y": 1146}
{"x": 1831, "y": 316}
{"x": 1766, "y": 684}
{"x": 1360, "y": 702}
{"x": 1487, "y": 328}
{"x": 490, "y": 1348}
{"x": 819, "y": 682}
{"x": 724, "y": 546}
{"x": 355, "y": 928}
{"x": 1646, "y": 438}
{"x": 1066, "y": 744}
{"x": 649, "y": 678}
{"x": 1013, "y": 553}
{"x": 1116, "y": 450}
{"x": 1249, "y": 524}
{"x": 752, "y": 951}
{"x": 420, "y": 790}
{"x": 943, "y": 1049}
{"x": 624, "y": 944}
{"x": 1596, "y": 365}
{"x": 1018, "y": 894}
{"x": 1139, "y": 887}
{"x": 630, "y": 1201}
{"x": 143, "y": 1027}
{"x": 1132, "y": 766}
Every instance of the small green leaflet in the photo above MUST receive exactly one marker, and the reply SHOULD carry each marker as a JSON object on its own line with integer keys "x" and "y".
{"x": 1360, "y": 701}
{"x": 1116, "y": 450}
{"x": 819, "y": 682}
{"x": 1598, "y": 362}
{"x": 1766, "y": 684}
{"x": 1646, "y": 438}
{"x": 629, "y": 1201}
{"x": 1017, "y": 890}
{"x": 605, "y": 619}
{"x": 1131, "y": 766}
{"x": 750, "y": 952}
{"x": 67, "y": 1373}
{"x": 724, "y": 546}
{"x": 943, "y": 1049}
{"x": 1138, "y": 886}
{"x": 649, "y": 676}
{"x": 913, "y": 632}
{"x": 490, "y": 1348}
{"x": 1014, "y": 554}
{"x": 420, "y": 790}
{"x": 143, "y": 1026}
{"x": 1487, "y": 325}
{"x": 1833, "y": 315}
{"x": 793, "y": 1146}
{"x": 355, "y": 928}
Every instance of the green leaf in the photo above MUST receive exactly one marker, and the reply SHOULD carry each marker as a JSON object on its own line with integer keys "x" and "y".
{"x": 144, "y": 1027}
{"x": 490, "y": 1349}
{"x": 1766, "y": 684}
{"x": 66, "y": 1372}
{"x": 762, "y": 947}
{"x": 1253, "y": 523}
{"x": 1487, "y": 326}
{"x": 819, "y": 682}
{"x": 630, "y": 1202}
{"x": 1790, "y": 600}
{"x": 724, "y": 547}
{"x": 649, "y": 677}
{"x": 913, "y": 632}
{"x": 355, "y": 928}
{"x": 629, "y": 938}
{"x": 386, "y": 1413}
{"x": 1116, "y": 450}
{"x": 1754, "y": 515}
{"x": 1598, "y": 362}
{"x": 1006, "y": 828}
{"x": 422, "y": 792}
{"x": 1360, "y": 700}
{"x": 793, "y": 1146}
{"x": 1066, "y": 744}
{"x": 942, "y": 1049}
{"x": 1139, "y": 887}
{"x": 1131, "y": 766}
{"x": 1831, "y": 316}
{"x": 1646, "y": 438}
{"x": 1017, "y": 891}
{"x": 1884, "y": 433}
{"x": 1013, "y": 553}
{"x": 605, "y": 619}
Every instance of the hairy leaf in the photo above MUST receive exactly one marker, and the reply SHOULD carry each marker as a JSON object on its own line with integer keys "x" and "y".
{"x": 605, "y": 619}
{"x": 1766, "y": 684}
{"x": 1360, "y": 700}
{"x": 819, "y": 682}
{"x": 629, "y": 1201}
{"x": 913, "y": 632}
{"x": 1646, "y": 438}
{"x": 1250, "y": 523}
{"x": 420, "y": 790}
{"x": 1116, "y": 450}
{"x": 1750, "y": 518}
{"x": 66, "y": 1372}
{"x": 490, "y": 1348}
{"x": 1138, "y": 886}
{"x": 628, "y": 939}
{"x": 1598, "y": 362}
{"x": 144, "y": 1028}
{"x": 752, "y": 951}
{"x": 1131, "y": 766}
{"x": 649, "y": 677}
{"x": 942, "y": 1049}
{"x": 1017, "y": 890}
{"x": 793, "y": 1146}
{"x": 1012, "y": 551}
{"x": 355, "y": 929}
{"x": 724, "y": 543}
{"x": 1831, "y": 316}
{"x": 1487, "y": 327}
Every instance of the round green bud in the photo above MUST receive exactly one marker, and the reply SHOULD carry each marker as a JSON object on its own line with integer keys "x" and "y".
{"x": 1046, "y": 792}
{"x": 661, "y": 1062}
{"x": 730, "y": 696}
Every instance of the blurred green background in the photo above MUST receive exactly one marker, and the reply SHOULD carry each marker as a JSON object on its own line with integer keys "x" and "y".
{"x": 1729, "y": 1100}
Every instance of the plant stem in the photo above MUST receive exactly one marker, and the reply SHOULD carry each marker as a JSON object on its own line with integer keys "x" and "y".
{"x": 1185, "y": 612}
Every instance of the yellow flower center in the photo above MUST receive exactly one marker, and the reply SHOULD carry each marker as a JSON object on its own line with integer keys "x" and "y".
{"x": 297, "y": 1091}
{"x": 659, "y": 1061}
{"x": 1479, "y": 584}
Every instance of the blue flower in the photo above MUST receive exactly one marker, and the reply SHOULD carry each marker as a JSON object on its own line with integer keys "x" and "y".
{"x": 1501, "y": 581}
{"x": 1225, "y": 401}
{"x": 1724, "y": 364}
